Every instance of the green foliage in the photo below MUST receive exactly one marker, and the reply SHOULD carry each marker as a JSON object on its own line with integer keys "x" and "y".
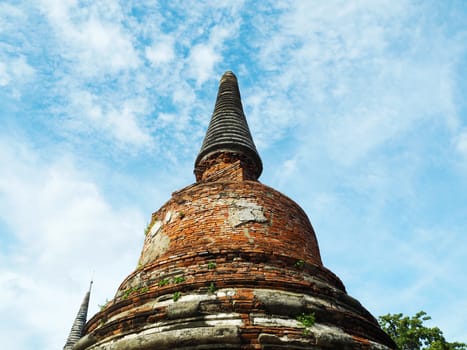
{"x": 176, "y": 296}
{"x": 163, "y": 282}
{"x": 147, "y": 229}
{"x": 179, "y": 279}
{"x": 211, "y": 265}
{"x": 128, "y": 292}
{"x": 307, "y": 320}
{"x": 181, "y": 214}
{"x": 212, "y": 288}
{"x": 299, "y": 263}
{"x": 409, "y": 333}
{"x": 140, "y": 290}
{"x": 103, "y": 306}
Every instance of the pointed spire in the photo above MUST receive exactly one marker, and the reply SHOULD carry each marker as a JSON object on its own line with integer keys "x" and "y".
{"x": 228, "y": 130}
{"x": 78, "y": 325}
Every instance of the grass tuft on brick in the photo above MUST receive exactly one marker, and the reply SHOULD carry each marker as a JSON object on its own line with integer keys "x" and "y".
{"x": 307, "y": 320}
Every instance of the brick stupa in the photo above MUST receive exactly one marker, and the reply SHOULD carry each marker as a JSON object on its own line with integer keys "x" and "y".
{"x": 229, "y": 263}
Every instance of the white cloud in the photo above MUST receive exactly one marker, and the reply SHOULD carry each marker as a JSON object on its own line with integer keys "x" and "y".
{"x": 164, "y": 119}
{"x": 270, "y": 114}
{"x": 341, "y": 70}
{"x": 425, "y": 262}
{"x": 355, "y": 134}
{"x": 461, "y": 144}
{"x": 121, "y": 120}
{"x": 204, "y": 56}
{"x": 91, "y": 37}
{"x": 105, "y": 45}
{"x": 14, "y": 72}
{"x": 202, "y": 60}
{"x": 4, "y": 76}
{"x": 9, "y": 16}
{"x": 160, "y": 53}
{"x": 64, "y": 229}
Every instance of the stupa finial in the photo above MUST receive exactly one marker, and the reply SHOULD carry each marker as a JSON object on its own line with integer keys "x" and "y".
{"x": 78, "y": 325}
{"x": 228, "y": 131}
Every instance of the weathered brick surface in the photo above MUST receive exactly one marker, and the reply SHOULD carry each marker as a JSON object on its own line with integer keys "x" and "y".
{"x": 226, "y": 166}
{"x": 241, "y": 216}
{"x": 229, "y": 241}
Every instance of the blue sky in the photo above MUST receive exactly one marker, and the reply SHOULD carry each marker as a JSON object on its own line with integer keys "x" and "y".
{"x": 357, "y": 108}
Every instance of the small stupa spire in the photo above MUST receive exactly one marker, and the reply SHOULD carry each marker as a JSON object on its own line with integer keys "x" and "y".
{"x": 78, "y": 325}
{"x": 228, "y": 130}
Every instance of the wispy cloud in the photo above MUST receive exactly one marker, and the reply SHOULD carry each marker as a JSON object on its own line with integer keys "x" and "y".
{"x": 345, "y": 73}
{"x": 111, "y": 72}
{"x": 204, "y": 56}
{"x": 63, "y": 226}
{"x": 15, "y": 71}
{"x": 122, "y": 120}
{"x": 461, "y": 144}
{"x": 161, "y": 52}
{"x": 92, "y": 37}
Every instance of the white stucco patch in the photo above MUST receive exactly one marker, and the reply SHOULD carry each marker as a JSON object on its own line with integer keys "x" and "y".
{"x": 168, "y": 216}
{"x": 242, "y": 211}
{"x": 155, "y": 228}
{"x": 158, "y": 246}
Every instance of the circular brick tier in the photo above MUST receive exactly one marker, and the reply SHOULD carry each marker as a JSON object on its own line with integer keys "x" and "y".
{"x": 232, "y": 265}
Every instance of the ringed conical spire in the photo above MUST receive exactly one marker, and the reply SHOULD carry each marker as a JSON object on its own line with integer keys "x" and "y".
{"x": 77, "y": 329}
{"x": 228, "y": 130}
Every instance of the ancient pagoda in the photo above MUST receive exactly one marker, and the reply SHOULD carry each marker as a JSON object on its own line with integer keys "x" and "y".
{"x": 230, "y": 263}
